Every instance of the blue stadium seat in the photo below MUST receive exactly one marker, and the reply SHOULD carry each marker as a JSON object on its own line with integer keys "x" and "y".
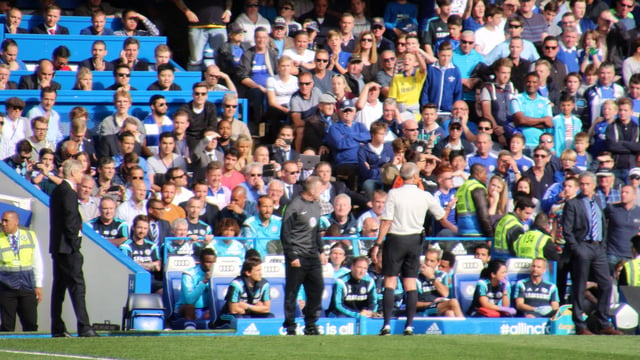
{"x": 518, "y": 269}
{"x": 225, "y": 270}
{"x": 465, "y": 276}
{"x": 274, "y": 273}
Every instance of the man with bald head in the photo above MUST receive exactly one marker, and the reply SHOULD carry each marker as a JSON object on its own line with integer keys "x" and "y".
{"x": 136, "y": 205}
{"x": 239, "y": 207}
{"x": 483, "y": 154}
{"x": 466, "y": 59}
{"x": 410, "y": 132}
{"x": 43, "y": 77}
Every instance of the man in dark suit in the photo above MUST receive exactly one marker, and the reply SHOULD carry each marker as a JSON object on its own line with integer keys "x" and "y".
{"x": 158, "y": 229}
{"x": 97, "y": 62}
{"x": 205, "y": 152}
{"x": 78, "y": 134}
{"x": 281, "y": 150}
{"x": 129, "y": 56}
{"x": 12, "y": 25}
{"x": 50, "y": 25}
{"x": 64, "y": 245}
{"x": 211, "y": 213}
{"x": 584, "y": 232}
{"x": 290, "y": 176}
{"x": 42, "y": 78}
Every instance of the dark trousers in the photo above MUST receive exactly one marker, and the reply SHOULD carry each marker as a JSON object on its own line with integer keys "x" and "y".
{"x": 590, "y": 259}
{"x": 256, "y": 99}
{"x": 22, "y": 302}
{"x": 67, "y": 275}
{"x": 308, "y": 274}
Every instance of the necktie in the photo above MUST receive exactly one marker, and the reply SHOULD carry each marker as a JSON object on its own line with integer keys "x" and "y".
{"x": 154, "y": 232}
{"x": 212, "y": 156}
{"x": 13, "y": 241}
{"x": 289, "y": 191}
{"x": 52, "y": 31}
{"x": 595, "y": 225}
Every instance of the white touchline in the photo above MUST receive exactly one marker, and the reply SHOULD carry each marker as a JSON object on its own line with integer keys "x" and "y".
{"x": 53, "y": 354}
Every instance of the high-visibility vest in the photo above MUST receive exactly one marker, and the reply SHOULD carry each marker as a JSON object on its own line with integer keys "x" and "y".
{"x": 23, "y": 261}
{"x": 503, "y": 227}
{"x": 531, "y": 244}
{"x": 632, "y": 268}
{"x": 466, "y": 217}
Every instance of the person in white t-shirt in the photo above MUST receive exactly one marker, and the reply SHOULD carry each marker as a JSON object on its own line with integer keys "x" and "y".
{"x": 303, "y": 58}
{"x": 491, "y": 34}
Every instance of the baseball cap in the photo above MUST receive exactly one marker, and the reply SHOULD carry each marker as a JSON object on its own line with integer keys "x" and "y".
{"x": 409, "y": 28}
{"x": 347, "y": 104}
{"x": 235, "y": 29}
{"x": 327, "y": 98}
{"x": 573, "y": 171}
{"x": 377, "y": 22}
{"x": 279, "y": 22}
{"x": 455, "y": 121}
{"x": 311, "y": 25}
{"x": 635, "y": 172}
{"x": 604, "y": 172}
{"x": 355, "y": 58}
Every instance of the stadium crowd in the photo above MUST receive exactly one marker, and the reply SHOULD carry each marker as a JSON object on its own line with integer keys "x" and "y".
{"x": 505, "y": 108}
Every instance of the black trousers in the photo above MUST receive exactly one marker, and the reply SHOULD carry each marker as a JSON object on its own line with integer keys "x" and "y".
{"x": 308, "y": 274}
{"x": 68, "y": 275}
{"x": 22, "y": 302}
{"x": 590, "y": 259}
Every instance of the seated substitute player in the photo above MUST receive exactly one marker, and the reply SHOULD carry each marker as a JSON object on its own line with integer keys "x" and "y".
{"x": 115, "y": 230}
{"x": 354, "y": 293}
{"x": 194, "y": 294}
{"x": 144, "y": 252}
{"x": 433, "y": 289}
{"x": 535, "y": 297}
{"x": 491, "y": 297}
{"x": 248, "y": 294}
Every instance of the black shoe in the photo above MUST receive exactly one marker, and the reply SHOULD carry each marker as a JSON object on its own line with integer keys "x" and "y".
{"x": 291, "y": 331}
{"x": 63, "y": 334}
{"x": 89, "y": 333}
{"x": 386, "y": 330}
{"x": 311, "y": 331}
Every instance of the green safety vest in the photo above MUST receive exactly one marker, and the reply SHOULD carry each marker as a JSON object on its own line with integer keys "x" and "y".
{"x": 632, "y": 268}
{"x": 531, "y": 244}
{"x": 465, "y": 205}
{"x": 23, "y": 261}
{"x": 505, "y": 224}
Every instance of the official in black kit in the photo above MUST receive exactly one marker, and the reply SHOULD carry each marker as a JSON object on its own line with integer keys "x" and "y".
{"x": 302, "y": 246}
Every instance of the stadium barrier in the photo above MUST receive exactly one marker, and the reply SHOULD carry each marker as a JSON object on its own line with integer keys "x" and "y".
{"x": 100, "y": 103}
{"x": 103, "y": 79}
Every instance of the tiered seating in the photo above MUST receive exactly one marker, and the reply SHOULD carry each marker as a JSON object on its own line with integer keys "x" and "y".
{"x": 75, "y": 24}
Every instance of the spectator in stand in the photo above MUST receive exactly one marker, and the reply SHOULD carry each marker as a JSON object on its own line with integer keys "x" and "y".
{"x": 111, "y": 124}
{"x": 48, "y": 97}
{"x": 212, "y": 77}
{"x": 622, "y": 139}
{"x": 84, "y": 80}
{"x": 534, "y": 23}
{"x": 250, "y": 21}
{"x": 202, "y": 114}
{"x": 280, "y": 88}
{"x": 97, "y": 62}
{"x": 129, "y": 55}
{"x": 42, "y": 78}
{"x": 407, "y": 85}
{"x": 107, "y": 225}
{"x": 50, "y": 25}
{"x": 490, "y": 35}
{"x": 5, "y": 83}
{"x": 12, "y": 25}
{"x": 131, "y": 22}
{"x": 122, "y": 78}
{"x": 210, "y": 213}
{"x": 604, "y": 89}
{"x": 20, "y": 160}
{"x": 162, "y": 55}
{"x": 165, "y": 79}
{"x": 15, "y": 126}
{"x": 304, "y": 104}
{"x": 435, "y": 28}
{"x": 136, "y": 205}
{"x": 91, "y": 6}
{"x": 324, "y": 20}
{"x": 228, "y": 229}
{"x": 474, "y": 17}
{"x": 98, "y": 22}
{"x": 514, "y": 29}
{"x": 531, "y": 112}
{"x": 38, "y": 139}
{"x": 302, "y": 57}
{"x": 60, "y": 58}
{"x": 9, "y": 55}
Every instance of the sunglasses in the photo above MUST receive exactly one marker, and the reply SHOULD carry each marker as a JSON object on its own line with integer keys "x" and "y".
{"x": 304, "y": 83}
{"x": 137, "y": 177}
{"x": 124, "y": 75}
{"x": 389, "y": 59}
{"x": 540, "y": 156}
{"x": 466, "y": 42}
{"x": 230, "y": 106}
{"x": 457, "y": 128}
{"x": 322, "y": 60}
{"x": 199, "y": 93}
{"x": 17, "y": 107}
{"x": 179, "y": 176}
{"x": 366, "y": 40}
{"x": 634, "y": 177}
{"x": 550, "y": 47}
{"x": 484, "y": 128}
{"x": 255, "y": 175}
{"x": 515, "y": 26}
{"x": 293, "y": 172}
{"x": 416, "y": 129}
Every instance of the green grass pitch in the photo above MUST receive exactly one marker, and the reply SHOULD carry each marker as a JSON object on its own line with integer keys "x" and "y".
{"x": 329, "y": 347}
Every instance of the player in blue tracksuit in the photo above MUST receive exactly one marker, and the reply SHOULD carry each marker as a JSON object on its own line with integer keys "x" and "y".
{"x": 443, "y": 86}
{"x": 433, "y": 288}
{"x": 248, "y": 294}
{"x": 354, "y": 293}
{"x": 535, "y": 297}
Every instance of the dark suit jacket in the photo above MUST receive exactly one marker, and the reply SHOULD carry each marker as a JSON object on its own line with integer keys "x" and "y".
{"x": 285, "y": 199}
{"x": 40, "y": 29}
{"x": 87, "y": 146}
{"x": 164, "y": 230}
{"x": 30, "y": 82}
{"x": 200, "y": 160}
{"x": 88, "y": 63}
{"x": 140, "y": 65}
{"x": 575, "y": 222}
{"x": 338, "y": 187}
{"x": 277, "y": 154}
{"x": 108, "y": 146}
{"x": 211, "y": 214}
{"x": 18, "y": 30}
{"x": 65, "y": 220}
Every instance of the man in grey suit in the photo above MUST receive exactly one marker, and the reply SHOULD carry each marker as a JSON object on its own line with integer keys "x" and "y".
{"x": 583, "y": 230}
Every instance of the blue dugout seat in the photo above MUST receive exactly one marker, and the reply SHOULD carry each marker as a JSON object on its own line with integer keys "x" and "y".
{"x": 274, "y": 273}
{"x": 225, "y": 270}
{"x": 465, "y": 276}
{"x": 174, "y": 266}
